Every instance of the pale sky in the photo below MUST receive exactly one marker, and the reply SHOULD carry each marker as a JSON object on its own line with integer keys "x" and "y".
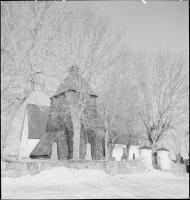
{"x": 155, "y": 24}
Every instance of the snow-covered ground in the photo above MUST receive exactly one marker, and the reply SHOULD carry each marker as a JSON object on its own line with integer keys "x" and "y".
{"x": 65, "y": 183}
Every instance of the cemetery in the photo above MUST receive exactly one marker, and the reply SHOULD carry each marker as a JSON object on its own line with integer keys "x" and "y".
{"x": 45, "y": 145}
{"x": 94, "y": 99}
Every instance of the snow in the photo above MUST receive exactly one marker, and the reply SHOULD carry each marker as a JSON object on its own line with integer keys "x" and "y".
{"x": 65, "y": 183}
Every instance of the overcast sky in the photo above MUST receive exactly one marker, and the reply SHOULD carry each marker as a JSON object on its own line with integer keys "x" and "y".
{"x": 151, "y": 25}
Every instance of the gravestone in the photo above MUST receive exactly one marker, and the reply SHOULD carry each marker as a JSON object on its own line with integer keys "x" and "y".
{"x": 54, "y": 151}
{"x": 182, "y": 160}
{"x": 178, "y": 158}
{"x": 88, "y": 152}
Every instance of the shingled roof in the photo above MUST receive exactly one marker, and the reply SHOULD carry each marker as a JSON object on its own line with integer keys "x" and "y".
{"x": 44, "y": 146}
{"x": 145, "y": 147}
{"x": 124, "y": 139}
{"x": 37, "y": 120}
{"x": 72, "y": 82}
{"x": 162, "y": 149}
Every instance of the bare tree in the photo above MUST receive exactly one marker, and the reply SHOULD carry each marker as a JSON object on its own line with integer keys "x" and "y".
{"x": 176, "y": 145}
{"x": 178, "y": 142}
{"x": 28, "y": 32}
{"x": 161, "y": 81}
{"x": 186, "y": 140}
{"x": 85, "y": 45}
{"x": 115, "y": 108}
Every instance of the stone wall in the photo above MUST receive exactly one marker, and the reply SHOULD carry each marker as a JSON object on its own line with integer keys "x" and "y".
{"x": 177, "y": 167}
{"x": 16, "y": 168}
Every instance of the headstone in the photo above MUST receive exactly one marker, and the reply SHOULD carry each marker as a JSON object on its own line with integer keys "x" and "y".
{"x": 88, "y": 152}
{"x": 187, "y": 168}
{"x": 155, "y": 159}
{"x": 178, "y": 158}
{"x": 186, "y": 161}
{"x": 54, "y": 151}
{"x": 182, "y": 161}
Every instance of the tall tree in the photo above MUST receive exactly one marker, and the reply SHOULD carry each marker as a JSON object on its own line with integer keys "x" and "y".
{"x": 28, "y": 32}
{"x": 177, "y": 142}
{"x": 186, "y": 140}
{"x": 115, "y": 108}
{"x": 86, "y": 43}
{"x": 161, "y": 80}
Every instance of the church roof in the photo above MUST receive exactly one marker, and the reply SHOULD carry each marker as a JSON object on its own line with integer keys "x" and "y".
{"x": 44, "y": 146}
{"x": 162, "y": 149}
{"x": 145, "y": 147}
{"x": 124, "y": 139}
{"x": 37, "y": 120}
{"x": 74, "y": 82}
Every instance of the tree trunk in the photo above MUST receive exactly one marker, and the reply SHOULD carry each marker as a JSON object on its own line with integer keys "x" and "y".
{"x": 178, "y": 158}
{"x": 107, "y": 151}
{"x": 155, "y": 144}
{"x": 111, "y": 149}
{"x": 75, "y": 115}
{"x": 106, "y": 145}
{"x": 127, "y": 151}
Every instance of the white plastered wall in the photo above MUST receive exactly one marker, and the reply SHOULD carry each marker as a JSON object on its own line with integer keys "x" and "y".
{"x": 26, "y": 145}
{"x": 163, "y": 160}
{"x": 13, "y": 141}
{"x": 133, "y": 150}
{"x": 118, "y": 152}
{"x": 146, "y": 154}
{"x": 31, "y": 144}
{"x": 24, "y": 138}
